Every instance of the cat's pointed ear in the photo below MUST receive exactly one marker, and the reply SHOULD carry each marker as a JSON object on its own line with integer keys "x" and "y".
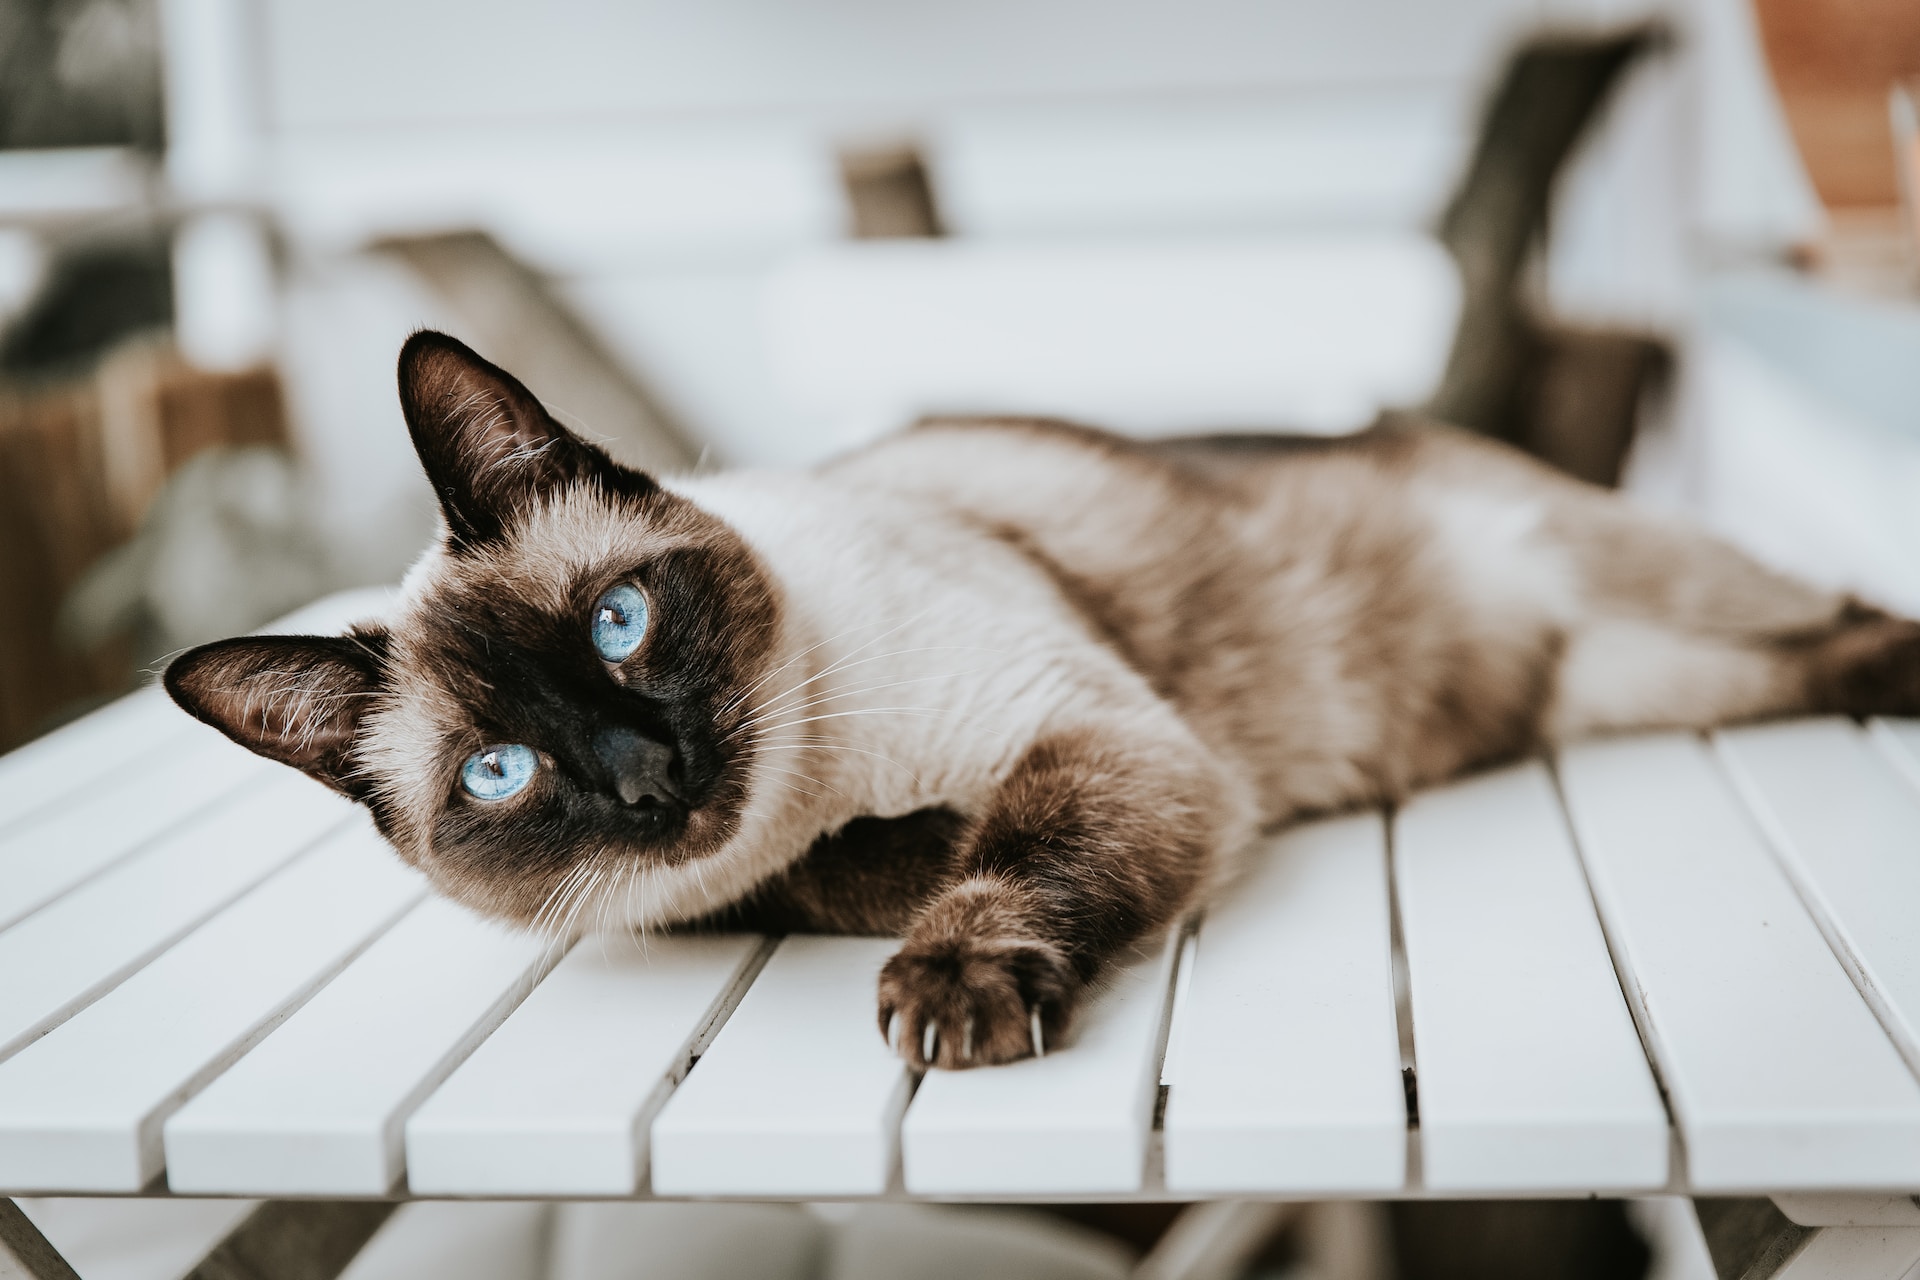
{"x": 295, "y": 699}
{"x": 488, "y": 446}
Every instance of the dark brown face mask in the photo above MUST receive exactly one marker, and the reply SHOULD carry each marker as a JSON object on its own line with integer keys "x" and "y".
{"x": 593, "y": 714}
{"x": 490, "y": 451}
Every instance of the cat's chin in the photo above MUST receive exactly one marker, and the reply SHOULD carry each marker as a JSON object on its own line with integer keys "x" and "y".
{"x": 656, "y": 828}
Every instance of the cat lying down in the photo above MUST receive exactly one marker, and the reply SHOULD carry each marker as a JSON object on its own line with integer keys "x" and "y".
{"x": 1015, "y": 690}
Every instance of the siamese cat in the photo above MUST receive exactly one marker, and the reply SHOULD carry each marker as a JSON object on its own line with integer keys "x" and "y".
{"x": 1015, "y": 690}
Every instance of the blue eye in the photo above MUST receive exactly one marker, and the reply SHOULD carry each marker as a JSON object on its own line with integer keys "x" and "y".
{"x": 498, "y": 772}
{"x": 619, "y": 622}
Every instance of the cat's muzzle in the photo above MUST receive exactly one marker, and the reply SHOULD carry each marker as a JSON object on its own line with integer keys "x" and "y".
{"x": 643, "y": 772}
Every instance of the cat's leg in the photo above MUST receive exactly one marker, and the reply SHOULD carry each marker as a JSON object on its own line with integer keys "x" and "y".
{"x": 1681, "y": 630}
{"x": 1631, "y": 674}
{"x": 869, "y": 877}
{"x": 1100, "y": 836}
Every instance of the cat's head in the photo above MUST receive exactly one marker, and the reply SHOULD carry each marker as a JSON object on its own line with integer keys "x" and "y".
{"x": 563, "y": 690}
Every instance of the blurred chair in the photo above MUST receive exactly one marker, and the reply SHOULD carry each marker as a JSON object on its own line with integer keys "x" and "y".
{"x": 669, "y": 173}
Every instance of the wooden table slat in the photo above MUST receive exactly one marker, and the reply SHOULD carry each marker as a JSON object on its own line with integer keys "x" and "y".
{"x": 49, "y": 769}
{"x": 60, "y": 848}
{"x": 559, "y": 1099}
{"x": 1076, "y": 1121}
{"x": 1287, "y": 1074}
{"x": 1899, "y": 742}
{"x": 1778, "y": 1074}
{"x": 317, "y": 1107}
{"x": 1847, "y": 829}
{"x": 1530, "y": 1071}
{"x": 167, "y": 901}
{"x": 60, "y": 958}
{"x": 798, "y": 1095}
{"x": 81, "y": 1108}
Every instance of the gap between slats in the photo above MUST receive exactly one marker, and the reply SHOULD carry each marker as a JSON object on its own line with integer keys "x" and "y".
{"x": 1299, "y": 947}
{"x": 1415, "y": 1187}
{"x": 1179, "y": 979}
{"x": 1177, "y": 1009}
{"x": 723, "y": 1007}
{"x": 1403, "y": 1005}
{"x": 697, "y": 1045}
{"x": 476, "y": 1036}
{"x": 240, "y": 888}
{"x": 154, "y": 726}
{"x": 1635, "y": 998}
{"x": 1165, "y": 1045}
{"x": 212, "y": 805}
{"x": 241, "y": 1048}
{"x": 1880, "y": 741}
{"x": 727, "y": 1006}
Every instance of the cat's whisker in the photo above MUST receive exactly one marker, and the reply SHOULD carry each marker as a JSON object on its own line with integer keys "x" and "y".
{"x": 644, "y": 916}
{"x": 804, "y": 777}
{"x": 850, "y": 658}
{"x": 587, "y": 897}
{"x": 618, "y": 899}
{"x": 774, "y": 716}
{"x": 563, "y": 934}
{"x": 840, "y": 746}
{"x": 606, "y": 897}
{"x": 747, "y": 692}
{"x": 581, "y": 893}
{"x": 609, "y": 895}
{"x": 832, "y": 695}
{"x": 848, "y": 662}
{"x": 951, "y": 714}
{"x": 544, "y": 926}
{"x": 594, "y": 904}
{"x": 538, "y": 923}
{"x": 542, "y": 921}
{"x": 844, "y": 689}
{"x": 933, "y": 712}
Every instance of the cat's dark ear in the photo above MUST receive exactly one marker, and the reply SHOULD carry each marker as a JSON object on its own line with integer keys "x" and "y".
{"x": 487, "y": 444}
{"x": 295, "y": 699}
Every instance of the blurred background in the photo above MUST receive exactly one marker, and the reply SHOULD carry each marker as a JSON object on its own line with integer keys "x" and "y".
{"x": 1670, "y": 245}
{"x": 1660, "y": 242}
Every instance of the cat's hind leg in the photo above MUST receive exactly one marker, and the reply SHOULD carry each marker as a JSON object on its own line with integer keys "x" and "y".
{"x": 1678, "y": 629}
{"x": 1867, "y": 663}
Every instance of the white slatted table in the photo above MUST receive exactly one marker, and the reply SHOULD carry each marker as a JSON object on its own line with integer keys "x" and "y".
{"x": 1658, "y": 964}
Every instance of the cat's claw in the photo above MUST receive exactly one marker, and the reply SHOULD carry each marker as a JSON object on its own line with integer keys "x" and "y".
{"x": 963, "y": 1002}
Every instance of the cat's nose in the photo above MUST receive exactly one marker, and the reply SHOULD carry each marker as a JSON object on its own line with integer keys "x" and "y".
{"x": 641, "y": 770}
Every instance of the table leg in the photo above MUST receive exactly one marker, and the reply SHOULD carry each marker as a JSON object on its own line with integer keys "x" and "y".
{"x": 295, "y": 1240}
{"x": 24, "y": 1252}
{"x": 1213, "y": 1240}
{"x": 1750, "y": 1239}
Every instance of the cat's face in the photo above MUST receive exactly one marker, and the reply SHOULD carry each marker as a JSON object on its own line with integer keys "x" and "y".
{"x": 564, "y": 693}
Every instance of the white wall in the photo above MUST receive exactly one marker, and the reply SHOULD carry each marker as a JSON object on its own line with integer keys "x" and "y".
{"x": 373, "y": 63}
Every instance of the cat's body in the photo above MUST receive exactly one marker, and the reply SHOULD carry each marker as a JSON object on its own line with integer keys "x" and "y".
{"x": 1335, "y": 621}
{"x": 1017, "y": 690}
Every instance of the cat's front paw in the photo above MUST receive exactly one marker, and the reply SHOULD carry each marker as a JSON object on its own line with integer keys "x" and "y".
{"x": 970, "y": 1002}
